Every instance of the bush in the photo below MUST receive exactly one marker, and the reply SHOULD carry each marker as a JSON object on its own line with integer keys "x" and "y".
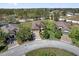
{"x": 24, "y": 33}
{"x": 74, "y": 34}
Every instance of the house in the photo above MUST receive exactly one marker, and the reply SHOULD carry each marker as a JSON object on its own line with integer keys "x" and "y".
{"x": 70, "y": 19}
{"x": 20, "y": 20}
{"x": 61, "y": 19}
{"x": 69, "y": 14}
{"x": 37, "y": 25}
{"x": 29, "y": 19}
{"x": 10, "y": 28}
{"x": 63, "y": 26}
{"x": 73, "y": 19}
{"x": 36, "y": 28}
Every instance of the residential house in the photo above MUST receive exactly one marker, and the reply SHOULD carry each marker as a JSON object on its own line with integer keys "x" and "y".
{"x": 70, "y": 19}
{"x": 10, "y": 28}
{"x": 37, "y": 25}
{"x": 63, "y": 26}
{"x": 21, "y": 20}
{"x": 73, "y": 19}
{"x": 69, "y": 14}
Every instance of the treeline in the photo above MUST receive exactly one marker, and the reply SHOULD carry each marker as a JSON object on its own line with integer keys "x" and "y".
{"x": 37, "y": 10}
{"x": 26, "y": 12}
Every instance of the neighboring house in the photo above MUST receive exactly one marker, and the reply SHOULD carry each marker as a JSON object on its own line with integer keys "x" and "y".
{"x": 70, "y": 19}
{"x": 72, "y": 14}
{"x": 69, "y": 14}
{"x": 73, "y": 19}
{"x": 63, "y": 26}
{"x": 10, "y": 28}
{"x": 61, "y": 19}
{"x": 29, "y": 19}
{"x": 20, "y": 20}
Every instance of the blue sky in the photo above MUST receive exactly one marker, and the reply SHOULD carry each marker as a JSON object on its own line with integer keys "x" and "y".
{"x": 39, "y": 5}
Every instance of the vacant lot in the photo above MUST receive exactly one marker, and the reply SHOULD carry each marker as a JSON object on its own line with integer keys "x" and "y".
{"x": 49, "y": 52}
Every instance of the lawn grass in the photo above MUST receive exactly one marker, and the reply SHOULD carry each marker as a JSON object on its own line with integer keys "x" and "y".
{"x": 49, "y": 52}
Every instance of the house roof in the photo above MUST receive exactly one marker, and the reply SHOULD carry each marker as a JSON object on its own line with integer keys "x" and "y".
{"x": 36, "y": 25}
{"x": 10, "y": 27}
{"x": 62, "y": 24}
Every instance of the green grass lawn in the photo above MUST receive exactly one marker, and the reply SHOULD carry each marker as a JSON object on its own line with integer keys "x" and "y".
{"x": 49, "y": 52}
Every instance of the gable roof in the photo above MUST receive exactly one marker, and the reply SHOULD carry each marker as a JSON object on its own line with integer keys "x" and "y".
{"x": 62, "y": 24}
{"x": 36, "y": 25}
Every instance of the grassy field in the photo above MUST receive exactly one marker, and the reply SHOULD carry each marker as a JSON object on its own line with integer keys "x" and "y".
{"x": 49, "y": 52}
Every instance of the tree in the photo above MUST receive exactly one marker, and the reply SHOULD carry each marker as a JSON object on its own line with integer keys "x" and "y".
{"x": 24, "y": 33}
{"x": 50, "y": 30}
{"x": 11, "y": 19}
{"x": 55, "y": 15}
{"x": 74, "y": 34}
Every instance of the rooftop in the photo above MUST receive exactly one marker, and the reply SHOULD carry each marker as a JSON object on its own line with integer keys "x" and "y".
{"x": 36, "y": 25}
{"x": 62, "y": 24}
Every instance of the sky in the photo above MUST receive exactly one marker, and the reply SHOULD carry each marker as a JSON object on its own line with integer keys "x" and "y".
{"x": 39, "y": 5}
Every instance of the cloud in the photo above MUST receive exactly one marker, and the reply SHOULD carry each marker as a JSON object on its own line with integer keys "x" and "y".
{"x": 15, "y": 4}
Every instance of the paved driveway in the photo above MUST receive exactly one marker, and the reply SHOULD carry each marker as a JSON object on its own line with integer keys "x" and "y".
{"x": 37, "y": 35}
{"x": 22, "y": 49}
{"x": 65, "y": 38}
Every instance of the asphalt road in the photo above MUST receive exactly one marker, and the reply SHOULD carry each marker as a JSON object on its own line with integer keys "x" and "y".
{"x": 26, "y": 47}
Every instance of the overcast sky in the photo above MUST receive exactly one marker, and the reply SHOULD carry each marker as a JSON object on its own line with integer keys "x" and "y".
{"x": 39, "y": 5}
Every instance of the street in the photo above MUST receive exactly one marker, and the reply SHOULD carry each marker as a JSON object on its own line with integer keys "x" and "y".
{"x": 22, "y": 49}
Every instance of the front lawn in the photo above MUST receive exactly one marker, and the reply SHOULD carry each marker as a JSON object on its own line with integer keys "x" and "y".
{"x": 49, "y": 52}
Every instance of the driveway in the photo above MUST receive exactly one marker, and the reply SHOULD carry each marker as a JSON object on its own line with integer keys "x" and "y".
{"x": 22, "y": 49}
{"x": 37, "y": 35}
{"x": 65, "y": 38}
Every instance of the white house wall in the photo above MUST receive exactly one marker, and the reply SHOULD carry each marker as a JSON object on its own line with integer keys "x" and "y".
{"x": 61, "y": 19}
{"x": 69, "y": 15}
{"x": 22, "y": 20}
{"x": 68, "y": 20}
{"x": 76, "y": 22}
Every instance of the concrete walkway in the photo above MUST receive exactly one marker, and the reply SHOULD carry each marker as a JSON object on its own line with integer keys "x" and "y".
{"x": 22, "y": 49}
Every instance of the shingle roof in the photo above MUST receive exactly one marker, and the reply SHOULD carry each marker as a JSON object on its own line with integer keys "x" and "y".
{"x": 36, "y": 25}
{"x": 62, "y": 24}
